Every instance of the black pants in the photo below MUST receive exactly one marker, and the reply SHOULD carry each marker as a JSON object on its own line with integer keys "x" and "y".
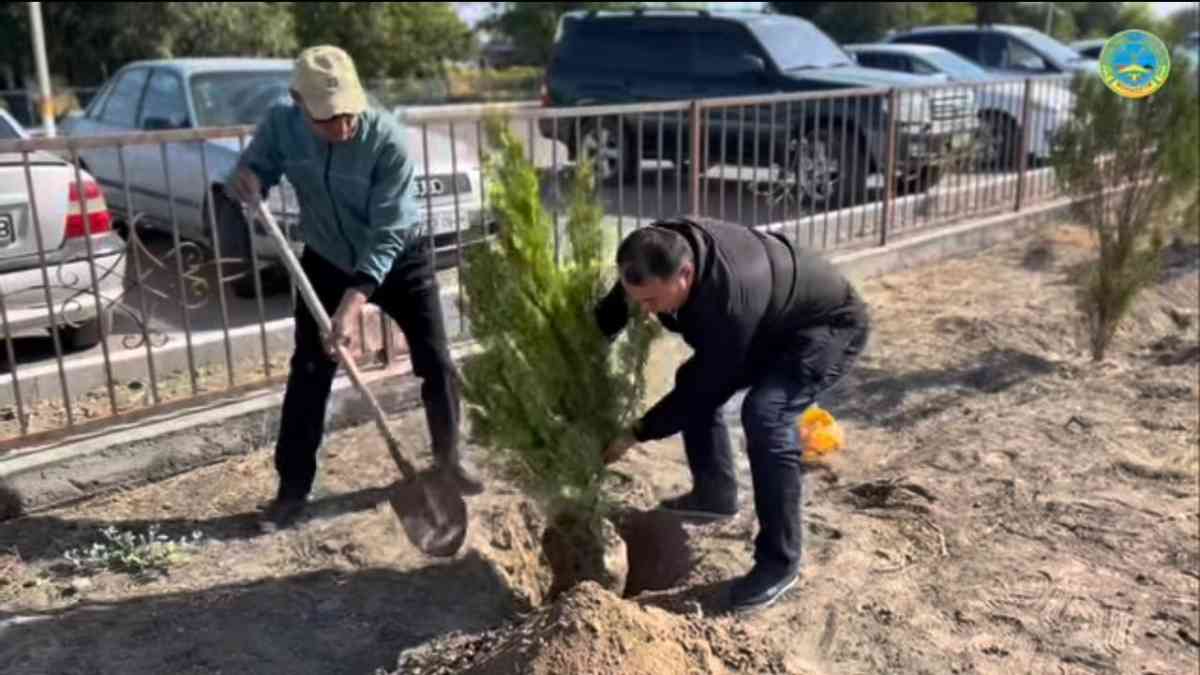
{"x": 409, "y": 295}
{"x": 818, "y": 360}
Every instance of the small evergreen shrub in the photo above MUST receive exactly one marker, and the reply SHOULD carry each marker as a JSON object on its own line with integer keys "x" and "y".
{"x": 1147, "y": 146}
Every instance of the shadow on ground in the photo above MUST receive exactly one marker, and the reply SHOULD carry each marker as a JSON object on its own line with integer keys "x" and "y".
{"x": 1178, "y": 259}
{"x": 876, "y": 397}
{"x": 48, "y": 537}
{"x": 321, "y": 623}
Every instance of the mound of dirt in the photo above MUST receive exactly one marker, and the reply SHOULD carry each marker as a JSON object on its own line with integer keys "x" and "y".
{"x": 590, "y": 630}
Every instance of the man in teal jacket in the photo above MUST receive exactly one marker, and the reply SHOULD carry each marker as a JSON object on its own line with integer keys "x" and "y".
{"x": 360, "y": 222}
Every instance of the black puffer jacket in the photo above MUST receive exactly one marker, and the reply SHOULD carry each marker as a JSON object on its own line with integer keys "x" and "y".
{"x": 756, "y": 302}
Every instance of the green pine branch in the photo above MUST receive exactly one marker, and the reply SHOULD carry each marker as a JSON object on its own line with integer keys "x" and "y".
{"x": 548, "y": 390}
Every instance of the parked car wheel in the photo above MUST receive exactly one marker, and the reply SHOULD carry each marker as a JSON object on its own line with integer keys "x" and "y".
{"x": 86, "y": 334}
{"x": 272, "y": 277}
{"x": 1001, "y": 141}
{"x": 832, "y": 169}
{"x": 922, "y": 180}
{"x": 613, "y": 154}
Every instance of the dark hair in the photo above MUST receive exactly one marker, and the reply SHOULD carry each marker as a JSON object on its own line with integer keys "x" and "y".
{"x": 652, "y": 252}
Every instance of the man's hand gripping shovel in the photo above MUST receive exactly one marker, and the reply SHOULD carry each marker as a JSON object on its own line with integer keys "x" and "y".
{"x": 430, "y": 507}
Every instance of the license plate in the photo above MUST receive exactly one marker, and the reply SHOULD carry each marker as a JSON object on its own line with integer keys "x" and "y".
{"x": 961, "y": 140}
{"x": 440, "y": 186}
{"x": 8, "y": 230}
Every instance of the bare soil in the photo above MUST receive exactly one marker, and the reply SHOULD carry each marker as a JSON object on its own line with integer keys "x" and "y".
{"x": 1004, "y": 505}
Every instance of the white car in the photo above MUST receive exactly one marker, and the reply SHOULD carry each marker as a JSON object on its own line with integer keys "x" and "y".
{"x": 1001, "y": 107}
{"x": 167, "y": 184}
{"x": 56, "y": 206}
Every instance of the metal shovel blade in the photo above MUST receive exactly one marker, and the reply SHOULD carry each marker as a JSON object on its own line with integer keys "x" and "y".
{"x": 432, "y": 511}
{"x": 430, "y": 507}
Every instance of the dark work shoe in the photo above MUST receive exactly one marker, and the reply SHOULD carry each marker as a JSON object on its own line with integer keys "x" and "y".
{"x": 281, "y": 513}
{"x": 691, "y": 507}
{"x": 463, "y": 478}
{"x": 760, "y": 588}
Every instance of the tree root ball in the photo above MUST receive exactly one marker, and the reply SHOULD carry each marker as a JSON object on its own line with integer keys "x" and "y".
{"x": 633, "y": 552}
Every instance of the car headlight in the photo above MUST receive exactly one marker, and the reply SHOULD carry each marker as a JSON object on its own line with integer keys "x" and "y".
{"x": 972, "y": 102}
{"x": 914, "y": 108}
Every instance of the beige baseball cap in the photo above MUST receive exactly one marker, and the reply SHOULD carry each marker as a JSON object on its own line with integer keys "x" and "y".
{"x": 326, "y": 79}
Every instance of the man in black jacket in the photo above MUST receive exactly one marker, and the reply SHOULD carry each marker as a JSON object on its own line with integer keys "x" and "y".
{"x": 758, "y": 315}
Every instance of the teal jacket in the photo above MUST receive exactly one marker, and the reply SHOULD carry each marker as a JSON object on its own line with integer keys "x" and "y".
{"x": 358, "y": 205}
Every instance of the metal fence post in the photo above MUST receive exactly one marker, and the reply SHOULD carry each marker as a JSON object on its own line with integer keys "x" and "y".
{"x": 889, "y": 169}
{"x": 1023, "y": 157}
{"x": 695, "y": 114}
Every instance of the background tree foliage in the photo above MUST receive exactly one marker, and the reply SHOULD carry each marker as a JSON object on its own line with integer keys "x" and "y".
{"x": 221, "y": 29}
{"x": 388, "y": 39}
{"x": 530, "y": 26}
{"x": 87, "y": 42}
{"x": 1148, "y": 147}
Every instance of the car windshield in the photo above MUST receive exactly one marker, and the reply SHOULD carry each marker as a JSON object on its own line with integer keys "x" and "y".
{"x": 1048, "y": 46}
{"x": 795, "y": 44}
{"x": 953, "y": 64}
{"x": 226, "y": 99}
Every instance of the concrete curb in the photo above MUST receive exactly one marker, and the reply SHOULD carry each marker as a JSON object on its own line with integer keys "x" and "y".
{"x": 156, "y": 448}
{"x": 947, "y": 242}
{"x": 150, "y": 450}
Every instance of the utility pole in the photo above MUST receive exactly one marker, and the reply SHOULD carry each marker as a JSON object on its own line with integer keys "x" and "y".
{"x": 1049, "y": 17}
{"x": 43, "y": 70}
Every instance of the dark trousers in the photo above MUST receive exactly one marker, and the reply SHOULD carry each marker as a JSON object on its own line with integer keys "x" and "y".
{"x": 409, "y": 295}
{"x": 794, "y": 381}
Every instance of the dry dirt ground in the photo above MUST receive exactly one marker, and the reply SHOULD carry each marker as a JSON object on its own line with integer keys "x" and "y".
{"x": 1004, "y": 505}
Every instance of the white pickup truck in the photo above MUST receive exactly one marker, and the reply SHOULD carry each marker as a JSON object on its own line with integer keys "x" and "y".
{"x": 45, "y": 199}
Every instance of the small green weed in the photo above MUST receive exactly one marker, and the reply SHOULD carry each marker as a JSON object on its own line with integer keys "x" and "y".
{"x": 132, "y": 553}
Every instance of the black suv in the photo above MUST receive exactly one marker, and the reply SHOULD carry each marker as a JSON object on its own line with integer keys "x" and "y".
{"x": 609, "y": 58}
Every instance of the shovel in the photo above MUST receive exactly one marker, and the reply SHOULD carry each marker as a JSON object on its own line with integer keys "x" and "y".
{"x": 430, "y": 507}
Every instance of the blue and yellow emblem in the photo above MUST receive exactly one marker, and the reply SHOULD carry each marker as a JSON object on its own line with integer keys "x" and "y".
{"x": 1134, "y": 63}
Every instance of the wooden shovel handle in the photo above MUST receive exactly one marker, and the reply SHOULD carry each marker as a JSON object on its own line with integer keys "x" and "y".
{"x": 326, "y": 326}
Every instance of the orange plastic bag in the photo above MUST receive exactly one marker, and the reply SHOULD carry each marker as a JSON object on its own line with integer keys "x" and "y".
{"x": 820, "y": 433}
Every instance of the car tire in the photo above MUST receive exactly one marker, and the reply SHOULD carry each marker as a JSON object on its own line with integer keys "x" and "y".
{"x": 235, "y": 245}
{"x": 922, "y": 181}
{"x": 619, "y": 159}
{"x": 1001, "y": 142}
{"x": 272, "y": 277}
{"x": 850, "y": 159}
{"x": 87, "y": 334}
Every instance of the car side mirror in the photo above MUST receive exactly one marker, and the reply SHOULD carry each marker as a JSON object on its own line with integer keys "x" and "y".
{"x": 752, "y": 64}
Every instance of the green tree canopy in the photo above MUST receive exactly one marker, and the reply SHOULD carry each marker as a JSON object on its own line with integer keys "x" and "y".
{"x": 222, "y": 29}
{"x": 87, "y": 42}
{"x": 387, "y": 39}
{"x": 530, "y": 26}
